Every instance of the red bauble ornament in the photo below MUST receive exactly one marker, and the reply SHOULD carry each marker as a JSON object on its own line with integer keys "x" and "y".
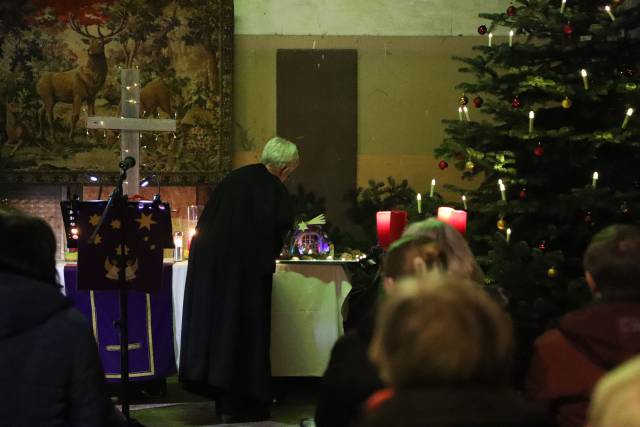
{"x": 512, "y": 11}
{"x": 523, "y": 194}
{"x": 567, "y": 29}
{"x": 542, "y": 246}
{"x": 538, "y": 151}
{"x": 482, "y": 30}
{"x": 516, "y": 103}
{"x": 478, "y": 101}
{"x": 443, "y": 165}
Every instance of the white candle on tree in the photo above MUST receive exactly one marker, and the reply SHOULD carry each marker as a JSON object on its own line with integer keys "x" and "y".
{"x": 464, "y": 203}
{"x": 508, "y": 235}
{"x": 466, "y": 113}
{"x": 594, "y": 182}
{"x": 627, "y": 117}
{"x": 532, "y": 116}
{"x": 563, "y": 6}
{"x": 585, "y": 78}
{"x": 511, "y": 33}
{"x": 460, "y": 113}
{"x": 607, "y": 9}
{"x": 419, "y": 199}
{"x": 490, "y": 39}
{"x": 433, "y": 187}
{"x": 503, "y": 192}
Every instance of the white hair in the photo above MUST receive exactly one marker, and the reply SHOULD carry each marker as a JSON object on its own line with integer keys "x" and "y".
{"x": 279, "y": 153}
{"x": 615, "y": 399}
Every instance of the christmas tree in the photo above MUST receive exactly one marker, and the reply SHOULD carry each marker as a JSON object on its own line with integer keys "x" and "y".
{"x": 556, "y": 146}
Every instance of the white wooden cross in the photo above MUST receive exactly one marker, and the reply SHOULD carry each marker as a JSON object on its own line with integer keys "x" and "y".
{"x": 130, "y": 126}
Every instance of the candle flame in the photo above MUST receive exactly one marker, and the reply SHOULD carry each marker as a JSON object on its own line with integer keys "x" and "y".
{"x": 532, "y": 114}
{"x": 502, "y": 187}
{"x": 419, "y": 197}
{"x": 433, "y": 182}
{"x": 630, "y": 112}
{"x": 583, "y": 72}
{"x": 511, "y": 33}
{"x": 607, "y": 8}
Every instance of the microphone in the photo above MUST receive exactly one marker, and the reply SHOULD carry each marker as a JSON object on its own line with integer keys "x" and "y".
{"x": 127, "y": 163}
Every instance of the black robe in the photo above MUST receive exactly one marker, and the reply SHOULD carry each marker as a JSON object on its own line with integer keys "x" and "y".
{"x": 226, "y": 323}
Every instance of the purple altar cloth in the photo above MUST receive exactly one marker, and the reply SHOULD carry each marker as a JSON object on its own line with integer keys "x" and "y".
{"x": 151, "y": 353}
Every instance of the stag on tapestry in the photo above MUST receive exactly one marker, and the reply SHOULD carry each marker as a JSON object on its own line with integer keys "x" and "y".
{"x": 60, "y": 62}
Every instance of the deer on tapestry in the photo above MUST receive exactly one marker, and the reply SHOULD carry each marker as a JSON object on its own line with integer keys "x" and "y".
{"x": 80, "y": 84}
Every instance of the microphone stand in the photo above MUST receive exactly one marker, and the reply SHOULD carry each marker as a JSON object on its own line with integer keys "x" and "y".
{"x": 118, "y": 205}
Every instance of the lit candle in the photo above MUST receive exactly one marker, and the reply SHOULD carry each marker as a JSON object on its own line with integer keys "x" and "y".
{"x": 511, "y": 38}
{"x": 503, "y": 192}
{"x": 607, "y": 8}
{"x": 433, "y": 187}
{"x": 508, "y": 235}
{"x": 419, "y": 199}
{"x": 466, "y": 113}
{"x": 456, "y": 219}
{"x": 490, "y": 39}
{"x": 585, "y": 78}
{"x": 460, "y": 113}
{"x": 562, "y": 6}
{"x": 627, "y": 117}
{"x": 464, "y": 203}
{"x": 532, "y": 115}
{"x": 594, "y": 182}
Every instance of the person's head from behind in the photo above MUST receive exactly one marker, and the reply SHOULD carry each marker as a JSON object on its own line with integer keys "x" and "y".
{"x": 460, "y": 259}
{"x": 412, "y": 256}
{"x": 441, "y": 330}
{"x": 612, "y": 263}
{"x": 280, "y": 157}
{"x": 30, "y": 247}
{"x": 616, "y": 399}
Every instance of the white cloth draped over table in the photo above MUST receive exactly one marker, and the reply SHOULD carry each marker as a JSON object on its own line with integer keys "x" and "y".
{"x": 305, "y": 314}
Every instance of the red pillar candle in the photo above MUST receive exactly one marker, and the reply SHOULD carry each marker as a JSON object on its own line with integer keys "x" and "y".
{"x": 390, "y": 225}
{"x": 456, "y": 219}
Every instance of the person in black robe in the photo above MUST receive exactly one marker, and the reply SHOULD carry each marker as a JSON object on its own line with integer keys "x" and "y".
{"x": 226, "y": 324}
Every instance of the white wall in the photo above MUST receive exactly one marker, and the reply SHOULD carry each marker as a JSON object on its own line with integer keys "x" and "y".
{"x": 363, "y": 17}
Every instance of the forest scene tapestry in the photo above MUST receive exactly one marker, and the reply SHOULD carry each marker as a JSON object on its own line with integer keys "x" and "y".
{"x": 60, "y": 62}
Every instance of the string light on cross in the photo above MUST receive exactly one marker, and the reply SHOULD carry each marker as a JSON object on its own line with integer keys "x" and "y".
{"x": 130, "y": 125}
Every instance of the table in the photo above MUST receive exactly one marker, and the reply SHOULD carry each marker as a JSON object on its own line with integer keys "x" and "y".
{"x": 305, "y": 316}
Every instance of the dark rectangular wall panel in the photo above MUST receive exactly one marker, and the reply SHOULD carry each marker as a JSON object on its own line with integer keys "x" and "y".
{"x": 317, "y": 102}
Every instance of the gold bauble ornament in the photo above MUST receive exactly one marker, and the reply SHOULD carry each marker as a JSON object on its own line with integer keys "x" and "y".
{"x": 566, "y": 103}
{"x": 501, "y": 224}
{"x": 552, "y": 273}
{"x": 469, "y": 165}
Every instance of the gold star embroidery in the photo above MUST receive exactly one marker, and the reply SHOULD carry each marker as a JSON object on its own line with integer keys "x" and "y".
{"x": 145, "y": 221}
{"x": 94, "y": 219}
{"x": 97, "y": 240}
{"x": 119, "y": 250}
{"x": 115, "y": 224}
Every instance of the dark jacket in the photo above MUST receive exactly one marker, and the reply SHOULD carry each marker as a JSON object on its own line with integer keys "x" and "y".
{"x": 569, "y": 360}
{"x": 50, "y": 372}
{"x": 350, "y": 377}
{"x": 451, "y": 406}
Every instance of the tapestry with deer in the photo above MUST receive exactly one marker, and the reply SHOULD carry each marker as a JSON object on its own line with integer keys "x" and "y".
{"x": 60, "y": 63}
